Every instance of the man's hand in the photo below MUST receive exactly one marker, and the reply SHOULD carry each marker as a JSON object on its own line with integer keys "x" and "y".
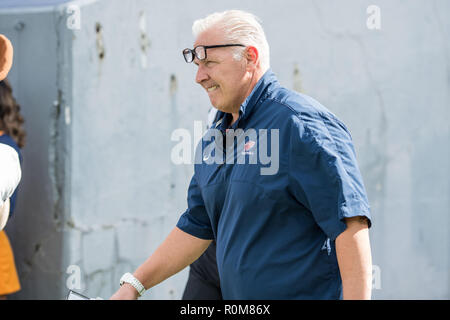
{"x": 355, "y": 259}
{"x": 177, "y": 251}
{"x": 125, "y": 292}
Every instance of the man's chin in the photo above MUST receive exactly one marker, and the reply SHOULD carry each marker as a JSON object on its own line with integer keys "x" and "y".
{"x": 222, "y": 108}
{"x": 216, "y": 105}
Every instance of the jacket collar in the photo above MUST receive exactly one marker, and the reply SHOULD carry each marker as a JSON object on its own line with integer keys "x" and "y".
{"x": 260, "y": 88}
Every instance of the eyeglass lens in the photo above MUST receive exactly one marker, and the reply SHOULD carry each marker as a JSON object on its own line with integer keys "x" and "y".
{"x": 188, "y": 55}
{"x": 200, "y": 52}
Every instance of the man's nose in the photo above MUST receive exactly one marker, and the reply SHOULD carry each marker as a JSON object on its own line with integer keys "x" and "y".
{"x": 201, "y": 74}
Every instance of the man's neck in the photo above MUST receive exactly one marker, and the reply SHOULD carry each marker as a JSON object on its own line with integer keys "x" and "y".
{"x": 256, "y": 77}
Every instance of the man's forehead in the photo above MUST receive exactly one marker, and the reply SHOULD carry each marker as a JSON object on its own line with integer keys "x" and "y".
{"x": 210, "y": 37}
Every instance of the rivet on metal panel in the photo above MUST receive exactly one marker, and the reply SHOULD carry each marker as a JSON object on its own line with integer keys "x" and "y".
{"x": 19, "y": 26}
{"x": 99, "y": 41}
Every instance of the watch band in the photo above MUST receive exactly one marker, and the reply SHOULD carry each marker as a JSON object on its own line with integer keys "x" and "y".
{"x": 129, "y": 278}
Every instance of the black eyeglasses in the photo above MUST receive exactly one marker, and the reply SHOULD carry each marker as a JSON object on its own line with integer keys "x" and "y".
{"x": 200, "y": 51}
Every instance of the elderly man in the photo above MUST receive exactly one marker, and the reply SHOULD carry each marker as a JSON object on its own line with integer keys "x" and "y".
{"x": 297, "y": 232}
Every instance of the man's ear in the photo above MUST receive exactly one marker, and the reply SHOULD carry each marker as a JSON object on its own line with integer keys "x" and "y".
{"x": 6, "y": 56}
{"x": 252, "y": 56}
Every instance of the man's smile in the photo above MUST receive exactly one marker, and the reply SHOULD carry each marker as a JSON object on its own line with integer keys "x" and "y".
{"x": 210, "y": 89}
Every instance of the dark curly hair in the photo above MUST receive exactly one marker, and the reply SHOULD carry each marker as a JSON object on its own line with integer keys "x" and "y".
{"x": 11, "y": 121}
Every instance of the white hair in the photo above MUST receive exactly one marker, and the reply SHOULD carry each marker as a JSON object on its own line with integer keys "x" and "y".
{"x": 239, "y": 27}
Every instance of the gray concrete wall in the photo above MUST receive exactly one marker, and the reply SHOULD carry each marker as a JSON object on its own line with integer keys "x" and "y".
{"x": 99, "y": 190}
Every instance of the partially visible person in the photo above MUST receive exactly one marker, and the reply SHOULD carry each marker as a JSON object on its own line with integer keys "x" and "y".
{"x": 10, "y": 172}
{"x": 12, "y": 135}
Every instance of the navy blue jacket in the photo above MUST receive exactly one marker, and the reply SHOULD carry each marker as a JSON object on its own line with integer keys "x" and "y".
{"x": 276, "y": 229}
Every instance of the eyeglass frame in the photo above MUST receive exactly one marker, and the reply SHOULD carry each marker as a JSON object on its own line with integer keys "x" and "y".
{"x": 194, "y": 54}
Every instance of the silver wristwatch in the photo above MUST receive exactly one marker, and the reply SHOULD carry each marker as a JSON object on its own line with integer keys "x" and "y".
{"x": 129, "y": 278}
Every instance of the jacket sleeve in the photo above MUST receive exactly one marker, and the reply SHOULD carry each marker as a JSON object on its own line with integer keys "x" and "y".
{"x": 195, "y": 219}
{"x": 324, "y": 174}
